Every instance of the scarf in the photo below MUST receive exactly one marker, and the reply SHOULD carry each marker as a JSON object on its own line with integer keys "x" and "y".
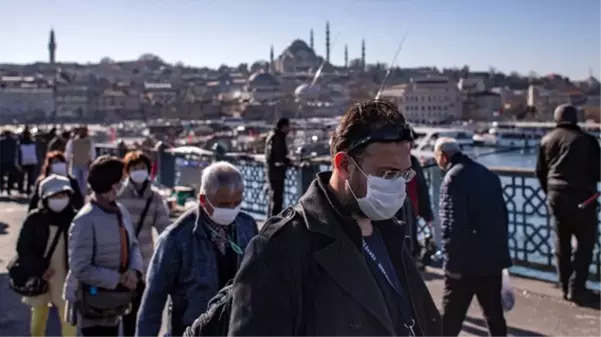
{"x": 218, "y": 234}
{"x": 111, "y": 207}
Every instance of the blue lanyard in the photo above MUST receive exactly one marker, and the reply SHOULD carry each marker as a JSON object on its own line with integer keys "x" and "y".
{"x": 379, "y": 265}
{"x": 383, "y": 271}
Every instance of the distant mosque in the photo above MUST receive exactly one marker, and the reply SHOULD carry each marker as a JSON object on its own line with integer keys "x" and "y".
{"x": 301, "y": 57}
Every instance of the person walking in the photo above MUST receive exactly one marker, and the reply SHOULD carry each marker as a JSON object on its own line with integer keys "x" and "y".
{"x": 474, "y": 221}
{"x": 568, "y": 170}
{"x": 42, "y": 243}
{"x": 104, "y": 255}
{"x": 337, "y": 263}
{"x": 80, "y": 152}
{"x": 27, "y": 161}
{"x": 9, "y": 148}
{"x": 148, "y": 210}
{"x": 55, "y": 163}
{"x": 276, "y": 164}
{"x": 197, "y": 255}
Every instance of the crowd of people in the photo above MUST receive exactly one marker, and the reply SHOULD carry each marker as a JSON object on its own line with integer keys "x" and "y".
{"x": 342, "y": 261}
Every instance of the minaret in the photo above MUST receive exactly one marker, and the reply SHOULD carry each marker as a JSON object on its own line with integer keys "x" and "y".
{"x": 328, "y": 41}
{"x": 271, "y": 64}
{"x": 346, "y": 55}
{"x": 52, "y": 47}
{"x": 363, "y": 55}
{"x": 311, "y": 40}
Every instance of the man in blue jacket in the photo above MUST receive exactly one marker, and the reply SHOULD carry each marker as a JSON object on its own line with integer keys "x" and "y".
{"x": 474, "y": 222}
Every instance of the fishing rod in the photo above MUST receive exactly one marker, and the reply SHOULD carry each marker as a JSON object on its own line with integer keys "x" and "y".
{"x": 503, "y": 150}
{"x": 589, "y": 201}
{"x": 389, "y": 71}
{"x": 323, "y": 63}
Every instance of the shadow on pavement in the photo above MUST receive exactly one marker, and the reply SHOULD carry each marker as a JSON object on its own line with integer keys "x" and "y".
{"x": 482, "y": 329}
{"x": 14, "y": 315}
{"x": 16, "y": 199}
{"x": 3, "y": 227}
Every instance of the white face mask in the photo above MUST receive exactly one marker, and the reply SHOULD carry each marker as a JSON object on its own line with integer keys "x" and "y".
{"x": 224, "y": 216}
{"x": 58, "y": 204}
{"x": 384, "y": 197}
{"x": 59, "y": 168}
{"x": 138, "y": 176}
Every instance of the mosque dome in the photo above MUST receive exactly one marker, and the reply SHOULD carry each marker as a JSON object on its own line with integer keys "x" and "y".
{"x": 307, "y": 91}
{"x": 261, "y": 78}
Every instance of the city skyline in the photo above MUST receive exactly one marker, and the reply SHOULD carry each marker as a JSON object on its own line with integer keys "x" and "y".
{"x": 176, "y": 36}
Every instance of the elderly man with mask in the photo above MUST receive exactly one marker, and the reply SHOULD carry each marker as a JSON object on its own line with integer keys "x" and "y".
{"x": 197, "y": 255}
{"x": 474, "y": 221}
{"x": 338, "y": 264}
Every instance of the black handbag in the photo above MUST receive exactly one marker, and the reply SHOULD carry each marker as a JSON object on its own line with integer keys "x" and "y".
{"x": 96, "y": 302}
{"x": 21, "y": 279}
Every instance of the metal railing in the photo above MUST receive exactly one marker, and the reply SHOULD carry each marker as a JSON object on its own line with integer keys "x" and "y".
{"x": 531, "y": 236}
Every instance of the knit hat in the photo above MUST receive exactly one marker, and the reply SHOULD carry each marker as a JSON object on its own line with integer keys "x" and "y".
{"x": 105, "y": 172}
{"x": 54, "y": 184}
{"x": 565, "y": 114}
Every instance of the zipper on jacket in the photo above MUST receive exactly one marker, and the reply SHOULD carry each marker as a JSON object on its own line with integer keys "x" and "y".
{"x": 415, "y": 316}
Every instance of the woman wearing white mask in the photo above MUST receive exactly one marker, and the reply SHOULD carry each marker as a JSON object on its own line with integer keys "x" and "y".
{"x": 147, "y": 209}
{"x": 55, "y": 163}
{"x": 42, "y": 246}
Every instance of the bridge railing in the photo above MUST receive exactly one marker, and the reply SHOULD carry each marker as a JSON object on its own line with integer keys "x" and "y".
{"x": 531, "y": 234}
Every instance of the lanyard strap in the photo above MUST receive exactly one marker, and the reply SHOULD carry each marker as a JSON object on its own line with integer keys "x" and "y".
{"x": 372, "y": 256}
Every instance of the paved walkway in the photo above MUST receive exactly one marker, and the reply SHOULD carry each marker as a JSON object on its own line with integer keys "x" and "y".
{"x": 539, "y": 310}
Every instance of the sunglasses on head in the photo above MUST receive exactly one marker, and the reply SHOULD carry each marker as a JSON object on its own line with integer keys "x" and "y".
{"x": 385, "y": 134}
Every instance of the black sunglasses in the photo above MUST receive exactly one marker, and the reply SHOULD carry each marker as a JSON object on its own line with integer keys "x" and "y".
{"x": 385, "y": 134}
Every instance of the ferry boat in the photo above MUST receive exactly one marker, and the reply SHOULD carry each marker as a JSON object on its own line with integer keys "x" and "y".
{"x": 427, "y": 136}
{"x": 504, "y": 137}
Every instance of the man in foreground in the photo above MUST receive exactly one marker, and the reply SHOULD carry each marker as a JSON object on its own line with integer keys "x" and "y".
{"x": 568, "y": 169}
{"x": 338, "y": 262}
{"x": 474, "y": 221}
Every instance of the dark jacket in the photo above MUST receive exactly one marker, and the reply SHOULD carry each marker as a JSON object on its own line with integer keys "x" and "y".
{"x": 34, "y": 236}
{"x": 474, "y": 219}
{"x": 424, "y": 204}
{"x": 58, "y": 143}
{"x": 276, "y": 152}
{"x": 305, "y": 274}
{"x": 77, "y": 199}
{"x": 184, "y": 267}
{"x": 569, "y": 160}
{"x": 9, "y": 147}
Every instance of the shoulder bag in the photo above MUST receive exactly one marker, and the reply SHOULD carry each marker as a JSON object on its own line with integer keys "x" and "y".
{"x": 96, "y": 302}
{"x": 21, "y": 279}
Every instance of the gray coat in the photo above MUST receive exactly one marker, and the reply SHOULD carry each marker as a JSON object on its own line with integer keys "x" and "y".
{"x": 157, "y": 216}
{"x": 91, "y": 229}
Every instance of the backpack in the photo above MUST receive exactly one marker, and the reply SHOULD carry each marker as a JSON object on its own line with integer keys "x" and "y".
{"x": 216, "y": 320}
{"x": 29, "y": 155}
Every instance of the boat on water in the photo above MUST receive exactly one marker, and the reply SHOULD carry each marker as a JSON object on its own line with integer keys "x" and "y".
{"x": 427, "y": 136}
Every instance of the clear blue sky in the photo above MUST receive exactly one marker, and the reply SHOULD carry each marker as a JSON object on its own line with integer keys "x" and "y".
{"x": 541, "y": 35}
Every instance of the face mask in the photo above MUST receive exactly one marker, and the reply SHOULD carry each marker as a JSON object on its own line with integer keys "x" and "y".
{"x": 224, "y": 216}
{"x": 384, "y": 197}
{"x": 58, "y": 204}
{"x": 138, "y": 176}
{"x": 59, "y": 168}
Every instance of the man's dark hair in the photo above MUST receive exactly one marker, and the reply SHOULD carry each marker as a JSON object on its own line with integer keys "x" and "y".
{"x": 282, "y": 122}
{"x": 360, "y": 120}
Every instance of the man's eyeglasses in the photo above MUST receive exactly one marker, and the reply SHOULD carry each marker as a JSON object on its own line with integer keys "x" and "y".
{"x": 385, "y": 134}
{"x": 407, "y": 175}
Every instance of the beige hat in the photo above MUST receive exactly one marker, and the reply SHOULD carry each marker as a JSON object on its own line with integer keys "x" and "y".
{"x": 54, "y": 184}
